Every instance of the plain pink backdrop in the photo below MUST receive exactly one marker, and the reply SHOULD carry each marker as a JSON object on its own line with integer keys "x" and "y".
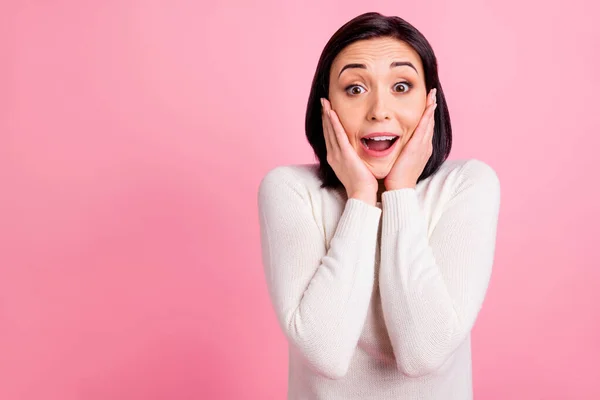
{"x": 133, "y": 138}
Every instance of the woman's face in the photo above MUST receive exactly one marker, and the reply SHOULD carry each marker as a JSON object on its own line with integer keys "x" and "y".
{"x": 378, "y": 86}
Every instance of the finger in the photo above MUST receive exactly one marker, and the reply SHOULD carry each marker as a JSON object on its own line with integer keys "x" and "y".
{"x": 422, "y": 127}
{"x": 431, "y": 99}
{"x": 340, "y": 133}
{"x": 335, "y": 139}
{"x": 430, "y": 130}
{"x": 338, "y": 130}
{"x": 326, "y": 132}
{"x": 430, "y": 127}
{"x": 333, "y": 142}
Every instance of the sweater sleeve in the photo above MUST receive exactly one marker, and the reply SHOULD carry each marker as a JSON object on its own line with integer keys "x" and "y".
{"x": 320, "y": 296}
{"x": 433, "y": 288}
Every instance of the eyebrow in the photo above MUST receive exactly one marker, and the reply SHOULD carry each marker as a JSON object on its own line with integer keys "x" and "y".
{"x": 392, "y": 65}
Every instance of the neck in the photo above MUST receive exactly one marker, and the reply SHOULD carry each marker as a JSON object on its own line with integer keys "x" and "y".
{"x": 381, "y": 189}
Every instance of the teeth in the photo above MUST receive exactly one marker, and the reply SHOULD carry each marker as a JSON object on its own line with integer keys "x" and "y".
{"x": 381, "y": 138}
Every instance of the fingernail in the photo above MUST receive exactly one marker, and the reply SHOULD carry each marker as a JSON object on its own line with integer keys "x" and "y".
{"x": 321, "y": 102}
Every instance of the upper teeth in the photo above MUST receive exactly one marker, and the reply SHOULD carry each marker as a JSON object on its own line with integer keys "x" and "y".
{"x": 382, "y": 138}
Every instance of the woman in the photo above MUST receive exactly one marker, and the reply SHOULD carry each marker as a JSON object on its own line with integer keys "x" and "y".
{"x": 378, "y": 258}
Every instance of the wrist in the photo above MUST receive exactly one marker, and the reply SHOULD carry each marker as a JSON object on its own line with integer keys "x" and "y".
{"x": 399, "y": 185}
{"x": 369, "y": 198}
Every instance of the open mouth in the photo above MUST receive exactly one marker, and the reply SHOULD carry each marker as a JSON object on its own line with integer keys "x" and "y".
{"x": 379, "y": 144}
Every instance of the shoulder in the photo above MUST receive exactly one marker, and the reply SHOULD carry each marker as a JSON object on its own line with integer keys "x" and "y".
{"x": 473, "y": 178}
{"x": 471, "y": 171}
{"x": 298, "y": 178}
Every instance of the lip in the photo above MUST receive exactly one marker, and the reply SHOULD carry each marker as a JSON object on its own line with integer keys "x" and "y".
{"x": 375, "y": 134}
{"x": 375, "y": 153}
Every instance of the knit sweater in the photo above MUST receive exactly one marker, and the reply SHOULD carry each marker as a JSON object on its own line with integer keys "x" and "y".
{"x": 378, "y": 302}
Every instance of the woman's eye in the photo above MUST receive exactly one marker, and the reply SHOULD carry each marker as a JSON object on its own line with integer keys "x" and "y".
{"x": 354, "y": 89}
{"x": 401, "y": 87}
{"x": 405, "y": 85}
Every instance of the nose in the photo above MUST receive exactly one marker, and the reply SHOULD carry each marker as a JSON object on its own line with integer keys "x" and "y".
{"x": 379, "y": 110}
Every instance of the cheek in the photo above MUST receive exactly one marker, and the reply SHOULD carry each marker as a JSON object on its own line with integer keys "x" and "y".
{"x": 410, "y": 119}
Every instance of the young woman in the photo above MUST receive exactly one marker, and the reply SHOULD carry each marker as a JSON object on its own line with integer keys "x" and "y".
{"x": 378, "y": 257}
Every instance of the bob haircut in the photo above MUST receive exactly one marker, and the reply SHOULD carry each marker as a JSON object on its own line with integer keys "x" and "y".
{"x": 369, "y": 26}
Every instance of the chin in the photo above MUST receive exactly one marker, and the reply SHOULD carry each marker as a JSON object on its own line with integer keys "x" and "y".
{"x": 381, "y": 169}
{"x": 380, "y": 173}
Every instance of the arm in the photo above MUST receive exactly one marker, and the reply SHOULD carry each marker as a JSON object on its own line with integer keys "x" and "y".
{"x": 433, "y": 288}
{"x": 320, "y": 297}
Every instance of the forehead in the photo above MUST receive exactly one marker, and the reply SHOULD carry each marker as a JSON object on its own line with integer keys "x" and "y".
{"x": 377, "y": 51}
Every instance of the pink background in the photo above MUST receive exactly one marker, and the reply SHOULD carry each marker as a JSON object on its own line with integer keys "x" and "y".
{"x": 129, "y": 162}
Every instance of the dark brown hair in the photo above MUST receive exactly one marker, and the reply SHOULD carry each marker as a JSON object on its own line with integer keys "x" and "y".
{"x": 368, "y": 26}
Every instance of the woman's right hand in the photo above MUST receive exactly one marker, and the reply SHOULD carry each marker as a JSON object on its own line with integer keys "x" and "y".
{"x": 351, "y": 170}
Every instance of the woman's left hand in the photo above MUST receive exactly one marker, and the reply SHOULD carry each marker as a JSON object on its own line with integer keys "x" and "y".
{"x": 414, "y": 156}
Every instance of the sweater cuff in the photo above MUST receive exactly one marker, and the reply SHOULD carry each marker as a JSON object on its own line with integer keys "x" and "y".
{"x": 401, "y": 209}
{"x": 358, "y": 219}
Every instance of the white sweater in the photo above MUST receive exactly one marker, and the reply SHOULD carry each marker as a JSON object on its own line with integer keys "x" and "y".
{"x": 378, "y": 302}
